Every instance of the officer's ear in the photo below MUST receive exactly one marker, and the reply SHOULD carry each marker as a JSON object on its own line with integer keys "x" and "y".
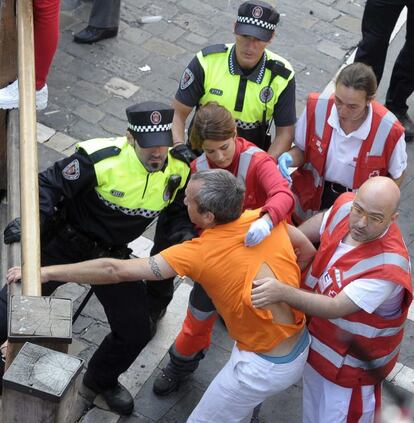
{"x": 130, "y": 138}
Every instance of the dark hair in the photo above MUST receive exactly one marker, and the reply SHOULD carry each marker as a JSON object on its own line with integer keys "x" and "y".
{"x": 359, "y": 77}
{"x": 211, "y": 122}
{"x": 221, "y": 194}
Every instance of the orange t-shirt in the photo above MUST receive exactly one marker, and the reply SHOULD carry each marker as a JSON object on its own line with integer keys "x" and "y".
{"x": 220, "y": 262}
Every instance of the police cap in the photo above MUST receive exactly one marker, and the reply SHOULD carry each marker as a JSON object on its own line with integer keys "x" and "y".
{"x": 257, "y": 19}
{"x": 150, "y": 124}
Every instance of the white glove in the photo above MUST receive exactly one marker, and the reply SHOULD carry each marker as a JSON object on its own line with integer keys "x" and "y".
{"x": 258, "y": 231}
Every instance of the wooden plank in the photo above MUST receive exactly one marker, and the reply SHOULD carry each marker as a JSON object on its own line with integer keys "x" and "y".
{"x": 8, "y": 72}
{"x": 40, "y": 386}
{"x": 29, "y": 187}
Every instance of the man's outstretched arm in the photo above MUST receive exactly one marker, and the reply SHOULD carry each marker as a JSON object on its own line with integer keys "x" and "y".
{"x": 103, "y": 271}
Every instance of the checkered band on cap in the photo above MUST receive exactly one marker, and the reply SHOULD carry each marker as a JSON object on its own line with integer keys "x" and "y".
{"x": 257, "y": 22}
{"x": 150, "y": 128}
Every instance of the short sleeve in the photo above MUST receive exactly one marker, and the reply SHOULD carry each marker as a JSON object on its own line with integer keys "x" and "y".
{"x": 398, "y": 160}
{"x": 185, "y": 258}
{"x": 191, "y": 86}
{"x": 369, "y": 294}
{"x": 300, "y": 131}
{"x": 284, "y": 113}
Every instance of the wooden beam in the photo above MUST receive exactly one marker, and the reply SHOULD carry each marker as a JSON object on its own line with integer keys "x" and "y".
{"x": 29, "y": 186}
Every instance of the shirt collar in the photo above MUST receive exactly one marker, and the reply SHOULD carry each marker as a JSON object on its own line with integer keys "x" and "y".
{"x": 360, "y": 133}
{"x": 255, "y": 76}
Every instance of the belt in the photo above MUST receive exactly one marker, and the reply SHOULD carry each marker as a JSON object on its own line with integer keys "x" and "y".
{"x": 336, "y": 188}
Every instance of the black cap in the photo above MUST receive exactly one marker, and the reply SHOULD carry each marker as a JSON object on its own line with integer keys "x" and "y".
{"x": 150, "y": 124}
{"x": 258, "y": 19}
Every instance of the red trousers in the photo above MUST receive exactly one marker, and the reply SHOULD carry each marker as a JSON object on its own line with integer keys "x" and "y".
{"x": 46, "y": 36}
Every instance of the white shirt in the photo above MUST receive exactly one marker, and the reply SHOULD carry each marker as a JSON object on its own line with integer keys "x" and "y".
{"x": 377, "y": 296}
{"x": 344, "y": 149}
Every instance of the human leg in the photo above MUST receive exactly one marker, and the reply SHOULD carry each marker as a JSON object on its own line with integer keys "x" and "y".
{"x": 324, "y": 401}
{"x": 378, "y": 22}
{"x": 190, "y": 344}
{"x": 46, "y": 37}
{"x": 402, "y": 78}
{"x": 103, "y": 22}
{"x": 244, "y": 382}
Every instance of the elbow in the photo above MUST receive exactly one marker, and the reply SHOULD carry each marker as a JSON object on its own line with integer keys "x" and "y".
{"x": 113, "y": 271}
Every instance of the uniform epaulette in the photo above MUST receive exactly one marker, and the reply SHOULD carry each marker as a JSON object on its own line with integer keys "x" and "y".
{"x": 216, "y": 48}
{"x": 278, "y": 68}
{"x": 99, "y": 155}
{"x": 183, "y": 153}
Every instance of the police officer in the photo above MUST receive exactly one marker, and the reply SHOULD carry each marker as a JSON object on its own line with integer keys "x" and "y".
{"x": 254, "y": 84}
{"x": 107, "y": 193}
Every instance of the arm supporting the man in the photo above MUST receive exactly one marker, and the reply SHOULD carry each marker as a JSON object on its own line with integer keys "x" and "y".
{"x": 311, "y": 227}
{"x": 270, "y": 290}
{"x": 103, "y": 271}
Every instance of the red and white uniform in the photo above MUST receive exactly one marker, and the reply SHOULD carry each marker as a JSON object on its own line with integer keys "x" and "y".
{"x": 265, "y": 186}
{"x": 377, "y": 147}
{"x": 358, "y": 351}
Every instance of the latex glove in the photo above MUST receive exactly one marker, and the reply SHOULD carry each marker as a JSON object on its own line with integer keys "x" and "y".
{"x": 258, "y": 231}
{"x": 285, "y": 161}
{"x": 12, "y": 231}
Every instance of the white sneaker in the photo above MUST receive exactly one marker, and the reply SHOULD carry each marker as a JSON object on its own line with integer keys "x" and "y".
{"x": 9, "y": 97}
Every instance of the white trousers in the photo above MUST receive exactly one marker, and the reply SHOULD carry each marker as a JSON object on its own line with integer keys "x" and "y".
{"x": 245, "y": 381}
{"x": 324, "y": 401}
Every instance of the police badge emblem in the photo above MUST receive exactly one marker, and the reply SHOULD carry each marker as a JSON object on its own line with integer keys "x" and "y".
{"x": 155, "y": 117}
{"x": 186, "y": 79}
{"x": 71, "y": 172}
{"x": 266, "y": 94}
{"x": 257, "y": 12}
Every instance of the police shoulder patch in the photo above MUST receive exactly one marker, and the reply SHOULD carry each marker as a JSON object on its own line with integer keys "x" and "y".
{"x": 186, "y": 79}
{"x": 71, "y": 172}
{"x": 215, "y": 48}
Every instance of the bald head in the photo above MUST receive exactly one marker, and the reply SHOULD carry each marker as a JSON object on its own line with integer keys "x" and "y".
{"x": 380, "y": 193}
{"x": 374, "y": 209}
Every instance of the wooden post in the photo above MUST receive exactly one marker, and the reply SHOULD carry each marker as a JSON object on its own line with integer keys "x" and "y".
{"x": 40, "y": 386}
{"x": 29, "y": 187}
{"x": 8, "y": 72}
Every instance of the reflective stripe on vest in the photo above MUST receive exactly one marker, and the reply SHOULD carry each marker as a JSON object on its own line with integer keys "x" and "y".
{"x": 321, "y": 111}
{"x": 378, "y": 260}
{"x": 339, "y": 361}
{"x": 244, "y": 162}
{"x": 342, "y": 212}
{"x": 383, "y": 131}
{"x": 361, "y": 329}
{"x": 310, "y": 280}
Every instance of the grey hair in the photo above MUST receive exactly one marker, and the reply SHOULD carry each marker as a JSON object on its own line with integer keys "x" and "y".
{"x": 221, "y": 194}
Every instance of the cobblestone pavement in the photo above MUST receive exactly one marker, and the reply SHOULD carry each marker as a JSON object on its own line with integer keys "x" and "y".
{"x": 89, "y": 88}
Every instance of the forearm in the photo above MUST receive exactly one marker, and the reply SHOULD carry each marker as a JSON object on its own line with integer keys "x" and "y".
{"x": 100, "y": 271}
{"x": 314, "y": 304}
{"x": 281, "y": 143}
{"x": 279, "y": 206}
{"x": 109, "y": 270}
{"x": 399, "y": 180}
{"x": 304, "y": 249}
{"x": 181, "y": 113}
